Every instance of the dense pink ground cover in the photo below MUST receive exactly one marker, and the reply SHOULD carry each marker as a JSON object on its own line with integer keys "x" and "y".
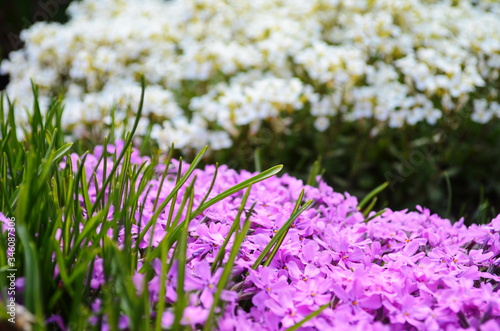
{"x": 403, "y": 270}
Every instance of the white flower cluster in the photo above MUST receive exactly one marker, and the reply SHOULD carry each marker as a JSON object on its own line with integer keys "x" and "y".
{"x": 249, "y": 100}
{"x": 214, "y": 66}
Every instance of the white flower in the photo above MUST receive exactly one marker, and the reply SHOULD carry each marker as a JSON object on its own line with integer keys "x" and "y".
{"x": 321, "y": 123}
{"x": 481, "y": 113}
{"x": 246, "y": 62}
{"x": 220, "y": 140}
{"x": 397, "y": 119}
{"x": 431, "y": 115}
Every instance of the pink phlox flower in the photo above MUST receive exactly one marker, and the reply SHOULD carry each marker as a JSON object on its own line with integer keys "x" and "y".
{"x": 311, "y": 254}
{"x": 325, "y": 194}
{"x": 298, "y": 272}
{"x": 471, "y": 272}
{"x": 365, "y": 325}
{"x": 194, "y": 315}
{"x": 292, "y": 243}
{"x": 494, "y": 243}
{"x": 477, "y": 236}
{"x": 157, "y": 233}
{"x": 409, "y": 310}
{"x": 245, "y": 259}
{"x": 449, "y": 256}
{"x": 240, "y": 321}
{"x": 154, "y": 284}
{"x": 345, "y": 252}
{"x": 270, "y": 225}
{"x": 167, "y": 319}
{"x": 4, "y": 222}
{"x": 138, "y": 281}
{"x": 453, "y": 299}
{"x": 57, "y": 319}
{"x": 433, "y": 237}
{"x": 74, "y": 159}
{"x": 373, "y": 253}
{"x": 489, "y": 300}
{"x": 405, "y": 257}
{"x": 480, "y": 258}
{"x": 378, "y": 285}
{"x": 294, "y": 186}
{"x": 437, "y": 319}
{"x": 346, "y": 277}
{"x": 203, "y": 280}
{"x": 491, "y": 325}
{"x": 409, "y": 242}
{"x": 98, "y": 274}
{"x": 281, "y": 260}
{"x": 307, "y": 222}
{"x": 428, "y": 270}
{"x": 214, "y": 233}
{"x": 288, "y": 310}
{"x": 315, "y": 292}
{"x": 356, "y": 297}
{"x": 345, "y": 318}
{"x": 269, "y": 283}
{"x": 270, "y": 196}
{"x": 222, "y": 212}
{"x": 266, "y": 213}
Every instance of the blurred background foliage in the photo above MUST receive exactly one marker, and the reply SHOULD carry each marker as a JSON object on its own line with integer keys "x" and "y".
{"x": 452, "y": 167}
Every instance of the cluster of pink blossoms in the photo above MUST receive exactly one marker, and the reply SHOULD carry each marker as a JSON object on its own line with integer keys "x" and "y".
{"x": 398, "y": 271}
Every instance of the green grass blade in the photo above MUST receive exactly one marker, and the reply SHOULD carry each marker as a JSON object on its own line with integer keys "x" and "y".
{"x": 226, "y": 273}
{"x": 235, "y": 226}
{"x": 126, "y": 146}
{"x": 34, "y": 301}
{"x": 315, "y": 171}
{"x": 309, "y": 317}
{"x": 62, "y": 152}
{"x": 212, "y": 183}
{"x": 258, "y": 160}
{"x": 85, "y": 191}
{"x": 375, "y": 215}
{"x": 181, "y": 303}
{"x": 174, "y": 234}
{"x": 164, "y": 175}
{"x": 177, "y": 187}
{"x": 257, "y": 178}
{"x": 370, "y": 207}
{"x": 279, "y": 235}
{"x": 372, "y": 194}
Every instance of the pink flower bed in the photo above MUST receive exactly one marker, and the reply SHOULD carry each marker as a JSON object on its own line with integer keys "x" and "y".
{"x": 403, "y": 270}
